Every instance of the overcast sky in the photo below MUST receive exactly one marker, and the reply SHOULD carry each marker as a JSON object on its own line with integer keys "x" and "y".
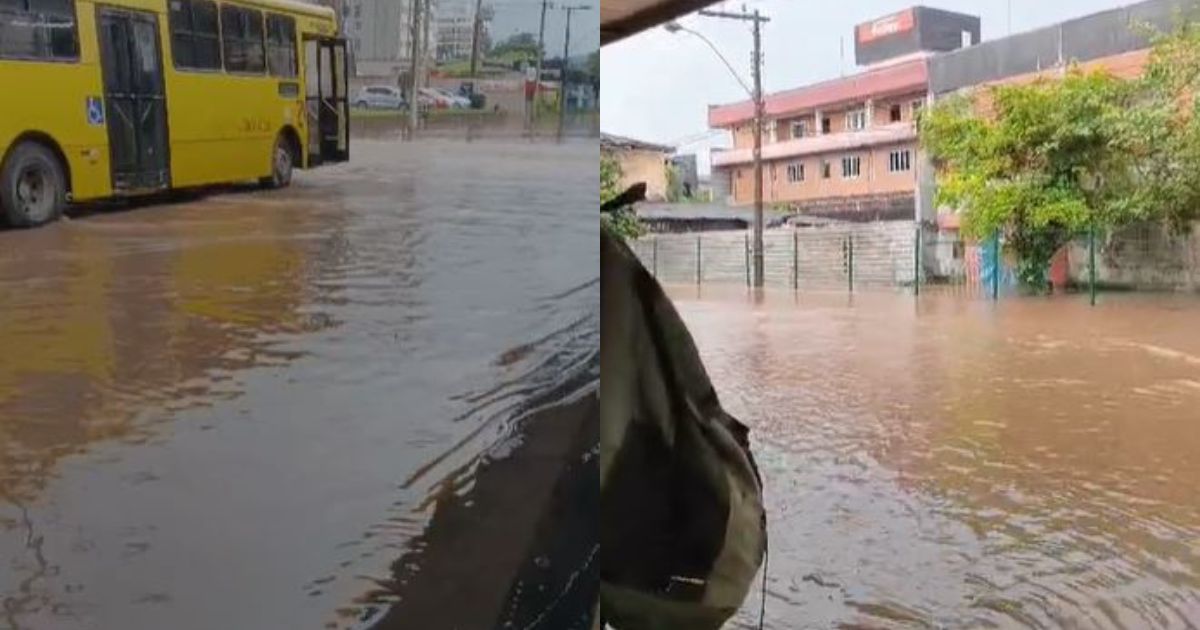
{"x": 656, "y": 86}
{"x": 523, "y": 16}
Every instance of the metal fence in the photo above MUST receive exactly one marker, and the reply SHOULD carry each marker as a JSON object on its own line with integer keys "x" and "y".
{"x": 869, "y": 255}
{"x": 900, "y": 254}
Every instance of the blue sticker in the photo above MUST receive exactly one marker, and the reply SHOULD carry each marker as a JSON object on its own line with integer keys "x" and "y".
{"x": 95, "y": 110}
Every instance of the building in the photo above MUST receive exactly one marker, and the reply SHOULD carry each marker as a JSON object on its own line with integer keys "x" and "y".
{"x": 379, "y": 35}
{"x": 847, "y": 147}
{"x": 687, "y": 174}
{"x": 455, "y": 25}
{"x": 581, "y": 97}
{"x": 640, "y": 162}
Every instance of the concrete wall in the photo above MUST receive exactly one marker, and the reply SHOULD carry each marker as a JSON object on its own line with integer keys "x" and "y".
{"x": 1141, "y": 257}
{"x": 1091, "y": 37}
{"x": 810, "y": 257}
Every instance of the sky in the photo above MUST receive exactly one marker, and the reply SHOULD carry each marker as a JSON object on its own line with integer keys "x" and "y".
{"x": 523, "y": 16}
{"x": 656, "y": 86}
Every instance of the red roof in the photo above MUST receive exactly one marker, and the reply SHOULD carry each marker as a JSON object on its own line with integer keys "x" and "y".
{"x": 910, "y": 75}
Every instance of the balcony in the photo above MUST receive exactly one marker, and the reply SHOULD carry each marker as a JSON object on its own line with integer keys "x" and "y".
{"x": 814, "y": 145}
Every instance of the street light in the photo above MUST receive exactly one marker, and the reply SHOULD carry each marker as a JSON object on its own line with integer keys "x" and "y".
{"x": 756, "y": 95}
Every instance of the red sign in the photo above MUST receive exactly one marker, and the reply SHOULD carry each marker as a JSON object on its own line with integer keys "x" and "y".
{"x": 901, "y": 22}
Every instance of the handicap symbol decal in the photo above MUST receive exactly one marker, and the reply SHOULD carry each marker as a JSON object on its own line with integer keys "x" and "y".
{"x": 95, "y": 111}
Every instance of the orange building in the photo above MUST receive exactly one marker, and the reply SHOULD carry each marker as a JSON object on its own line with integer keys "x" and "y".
{"x": 846, "y": 147}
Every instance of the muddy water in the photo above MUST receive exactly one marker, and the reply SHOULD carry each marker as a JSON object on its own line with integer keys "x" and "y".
{"x": 948, "y": 463}
{"x": 241, "y": 409}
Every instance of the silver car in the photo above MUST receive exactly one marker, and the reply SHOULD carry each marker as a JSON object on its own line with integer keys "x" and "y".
{"x": 379, "y": 97}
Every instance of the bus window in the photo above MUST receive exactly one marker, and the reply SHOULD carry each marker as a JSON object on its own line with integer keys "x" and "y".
{"x": 38, "y": 29}
{"x": 195, "y": 40}
{"x": 242, "y": 39}
{"x": 281, "y": 45}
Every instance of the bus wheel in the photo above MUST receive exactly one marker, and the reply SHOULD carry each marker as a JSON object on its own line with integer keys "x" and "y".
{"x": 283, "y": 161}
{"x": 33, "y": 189}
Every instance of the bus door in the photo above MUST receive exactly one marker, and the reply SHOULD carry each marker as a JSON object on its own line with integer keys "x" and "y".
{"x": 326, "y": 100}
{"x": 134, "y": 99}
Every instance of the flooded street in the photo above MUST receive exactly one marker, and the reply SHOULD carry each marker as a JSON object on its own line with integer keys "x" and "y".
{"x": 951, "y": 463}
{"x": 244, "y": 410}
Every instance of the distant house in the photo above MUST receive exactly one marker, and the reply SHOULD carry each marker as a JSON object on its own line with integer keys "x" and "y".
{"x": 640, "y": 162}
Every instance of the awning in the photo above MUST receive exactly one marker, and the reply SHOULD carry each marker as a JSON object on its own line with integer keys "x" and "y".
{"x": 621, "y": 18}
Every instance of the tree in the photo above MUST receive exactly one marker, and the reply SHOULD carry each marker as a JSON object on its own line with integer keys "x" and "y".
{"x": 1043, "y": 161}
{"x": 622, "y": 222}
{"x": 1051, "y": 159}
{"x": 520, "y": 44}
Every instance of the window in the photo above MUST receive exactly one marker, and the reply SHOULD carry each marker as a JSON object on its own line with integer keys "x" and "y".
{"x": 795, "y": 172}
{"x": 281, "y": 45}
{"x": 895, "y": 114}
{"x": 899, "y": 161}
{"x": 826, "y": 170}
{"x": 799, "y": 128}
{"x": 826, "y": 125}
{"x": 856, "y": 120}
{"x": 358, "y": 10}
{"x": 242, "y": 39}
{"x": 851, "y": 167}
{"x": 38, "y": 29}
{"x": 195, "y": 40}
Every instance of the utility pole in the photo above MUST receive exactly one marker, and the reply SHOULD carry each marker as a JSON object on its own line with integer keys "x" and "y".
{"x": 415, "y": 83}
{"x": 562, "y": 83}
{"x": 759, "y": 114}
{"x": 541, "y": 54}
{"x": 477, "y": 31}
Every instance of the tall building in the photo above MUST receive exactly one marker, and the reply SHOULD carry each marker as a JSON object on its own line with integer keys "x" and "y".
{"x": 847, "y": 147}
{"x": 379, "y": 33}
{"x": 455, "y": 25}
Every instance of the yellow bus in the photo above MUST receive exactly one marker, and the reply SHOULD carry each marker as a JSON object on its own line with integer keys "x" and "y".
{"x": 129, "y": 97}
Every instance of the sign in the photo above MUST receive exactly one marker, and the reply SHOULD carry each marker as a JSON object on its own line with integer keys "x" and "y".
{"x": 95, "y": 111}
{"x": 896, "y": 23}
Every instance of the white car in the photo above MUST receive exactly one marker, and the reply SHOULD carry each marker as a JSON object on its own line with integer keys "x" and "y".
{"x": 435, "y": 98}
{"x": 379, "y": 97}
{"x": 457, "y": 101}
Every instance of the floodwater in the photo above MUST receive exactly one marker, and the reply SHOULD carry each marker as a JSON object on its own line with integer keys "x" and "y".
{"x": 254, "y": 409}
{"x": 952, "y": 463}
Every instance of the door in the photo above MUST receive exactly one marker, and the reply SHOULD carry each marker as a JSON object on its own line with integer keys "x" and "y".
{"x": 134, "y": 99}
{"x": 328, "y": 107}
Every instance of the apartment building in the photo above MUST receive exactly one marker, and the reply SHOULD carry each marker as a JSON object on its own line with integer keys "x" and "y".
{"x": 379, "y": 34}
{"x": 847, "y": 147}
{"x": 455, "y": 25}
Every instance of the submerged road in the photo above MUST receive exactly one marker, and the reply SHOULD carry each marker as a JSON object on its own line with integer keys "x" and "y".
{"x": 948, "y": 462}
{"x": 279, "y": 409}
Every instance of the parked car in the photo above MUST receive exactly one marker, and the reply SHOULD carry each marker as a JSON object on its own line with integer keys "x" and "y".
{"x": 435, "y": 99}
{"x": 379, "y": 97}
{"x": 457, "y": 101}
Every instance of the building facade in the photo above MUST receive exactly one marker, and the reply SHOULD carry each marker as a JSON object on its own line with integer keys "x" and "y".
{"x": 455, "y": 25}
{"x": 846, "y": 147}
{"x": 640, "y": 162}
{"x": 379, "y": 35}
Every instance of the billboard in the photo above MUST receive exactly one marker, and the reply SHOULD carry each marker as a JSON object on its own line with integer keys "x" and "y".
{"x": 901, "y": 22}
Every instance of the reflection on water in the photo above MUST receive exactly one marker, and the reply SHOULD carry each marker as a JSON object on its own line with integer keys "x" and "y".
{"x": 952, "y": 463}
{"x": 240, "y": 411}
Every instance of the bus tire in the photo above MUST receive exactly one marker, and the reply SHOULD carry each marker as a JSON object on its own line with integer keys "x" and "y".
{"x": 283, "y": 162}
{"x": 33, "y": 186}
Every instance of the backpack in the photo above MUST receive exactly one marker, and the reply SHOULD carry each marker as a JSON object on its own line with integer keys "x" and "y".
{"x": 682, "y": 524}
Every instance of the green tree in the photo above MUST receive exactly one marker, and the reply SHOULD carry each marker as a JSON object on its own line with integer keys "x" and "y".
{"x": 1055, "y": 157}
{"x": 520, "y": 44}
{"x": 623, "y": 221}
